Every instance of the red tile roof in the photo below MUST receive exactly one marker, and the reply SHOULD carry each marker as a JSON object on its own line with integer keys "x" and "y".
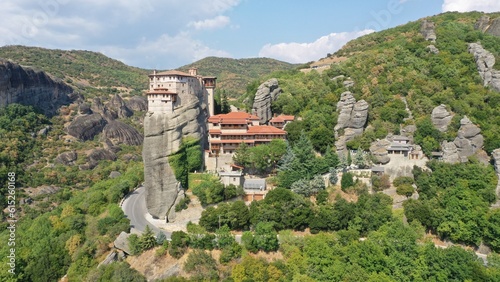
{"x": 242, "y": 116}
{"x": 265, "y": 129}
{"x": 282, "y": 118}
{"x": 214, "y": 131}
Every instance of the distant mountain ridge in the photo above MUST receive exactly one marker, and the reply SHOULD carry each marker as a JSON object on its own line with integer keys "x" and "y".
{"x": 82, "y": 69}
{"x": 233, "y": 75}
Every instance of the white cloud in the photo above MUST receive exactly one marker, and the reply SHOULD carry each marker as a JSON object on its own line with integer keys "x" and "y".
{"x": 164, "y": 52}
{"x": 123, "y": 27}
{"x": 217, "y": 22}
{"x": 305, "y": 52}
{"x": 468, "y": 5}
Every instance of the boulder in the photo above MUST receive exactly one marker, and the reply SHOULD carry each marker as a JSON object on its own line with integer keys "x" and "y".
{"x": 120, "y": 133}
{"x": 468, "y": 142}
{"x": 121, "y": 242}
{"x": 441, "y": 118}
{"x": 101, "y": 155}
{"x": 114, "y": 174}
{"x": 86, "y": 127}
{"x": 378, "y": 149}
{"x": 267, "y": 93}
{"x": 67, "y": 158}
{"x": 432, "y": 49}
{"x": 450, "y": 152}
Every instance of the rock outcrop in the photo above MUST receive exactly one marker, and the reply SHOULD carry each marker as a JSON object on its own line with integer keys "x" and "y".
{"x": 118, "y": 107}
{"x": 469, "y": 142}
{"x": 427, "y": 30}
{"x": 163, "y": 134}
{"x": 378, "y": 149}
{"x": 86, "y": 127}
{"x": 352, "y": 119}
{"x": 441, "y": 118}
{"x": 267, "y": 93}
{"x": 486, "y": 25}
{"x": 120, "y": 133}
{"x": 485, "y": 62}
{"x": 496, "y": 161}
{"x": 34, "y": 88}
{"x": 137, "y": 103}
{"x": 67, "y": 158}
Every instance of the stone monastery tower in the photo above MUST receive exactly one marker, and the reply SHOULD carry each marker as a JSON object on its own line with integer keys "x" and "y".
{"x": 179, "y": 105}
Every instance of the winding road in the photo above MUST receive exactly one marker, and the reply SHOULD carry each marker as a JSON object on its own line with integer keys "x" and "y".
{"x": 134, "y": 207}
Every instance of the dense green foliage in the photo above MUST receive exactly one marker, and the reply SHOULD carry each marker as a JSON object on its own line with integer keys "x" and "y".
{"x": 68, "y": 239}
{"x": 454, "y": 201}
{"x": 16, "y": 146}
{"x": 263, "y": 158}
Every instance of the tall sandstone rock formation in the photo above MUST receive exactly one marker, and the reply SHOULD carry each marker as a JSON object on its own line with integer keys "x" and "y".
{"x": 351, "y": 121}
{"x": 485, "y": 62}
{"x": 163, "y": 134}
{"x": 32, "y": 88}
{"x": 267, "y": 93}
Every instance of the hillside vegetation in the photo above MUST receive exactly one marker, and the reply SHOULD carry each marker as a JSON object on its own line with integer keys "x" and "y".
{"x": 79, "y": 68}
{"x": 233, "y": 75}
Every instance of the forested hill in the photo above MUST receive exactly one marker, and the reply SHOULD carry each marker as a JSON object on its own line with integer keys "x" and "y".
{"x": 233, "y": 75}
{"x": 393, "y": 64}
{"x": 78, "y": 68}
{"x": 86, "y": 68}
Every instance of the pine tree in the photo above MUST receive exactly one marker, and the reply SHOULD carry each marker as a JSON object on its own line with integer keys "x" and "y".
{"x": 225, "y": 107}
{"x": 147, "y": 240}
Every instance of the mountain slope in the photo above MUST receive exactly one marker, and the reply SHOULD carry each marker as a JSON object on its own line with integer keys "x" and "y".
{"x": 233, "y": 75}
{"x": 393, "y": 64}
{"x": 80, "y": 68}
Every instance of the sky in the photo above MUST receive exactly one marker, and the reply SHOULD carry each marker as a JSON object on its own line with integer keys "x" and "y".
{"x": 167, "y": 34}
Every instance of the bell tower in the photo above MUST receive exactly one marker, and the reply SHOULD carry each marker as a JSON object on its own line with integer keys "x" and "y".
{"x": 209, "y": 83}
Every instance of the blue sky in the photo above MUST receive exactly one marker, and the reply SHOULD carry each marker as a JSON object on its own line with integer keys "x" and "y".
{"x": 166, "y": 34}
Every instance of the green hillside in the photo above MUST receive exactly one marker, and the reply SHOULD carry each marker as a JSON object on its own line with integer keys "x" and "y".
{"x": 395, "y": 63}
{"x": 78, "y": 68}
{"x": 233, "y": 75}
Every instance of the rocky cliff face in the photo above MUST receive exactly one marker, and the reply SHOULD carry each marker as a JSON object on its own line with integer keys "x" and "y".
{"x": 485, "y": 62}
{"x": 96, "y": 118}
{"x": 351, "y": 120}
{"x": 267, "y": 93}
{"x": 469, "y": 142}
{"x": 163, "y": 134}
{"x": 485, "y": 24}
{"x": 34, "y": 88}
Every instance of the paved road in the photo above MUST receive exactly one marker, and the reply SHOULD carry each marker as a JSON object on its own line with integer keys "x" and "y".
{"x": 134, "y": 207}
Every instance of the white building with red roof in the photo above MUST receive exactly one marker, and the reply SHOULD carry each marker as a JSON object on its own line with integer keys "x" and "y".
{"x": 227, "y": 131}
{"x": 169, "y": 89}
{"x": 281, "y": 121}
